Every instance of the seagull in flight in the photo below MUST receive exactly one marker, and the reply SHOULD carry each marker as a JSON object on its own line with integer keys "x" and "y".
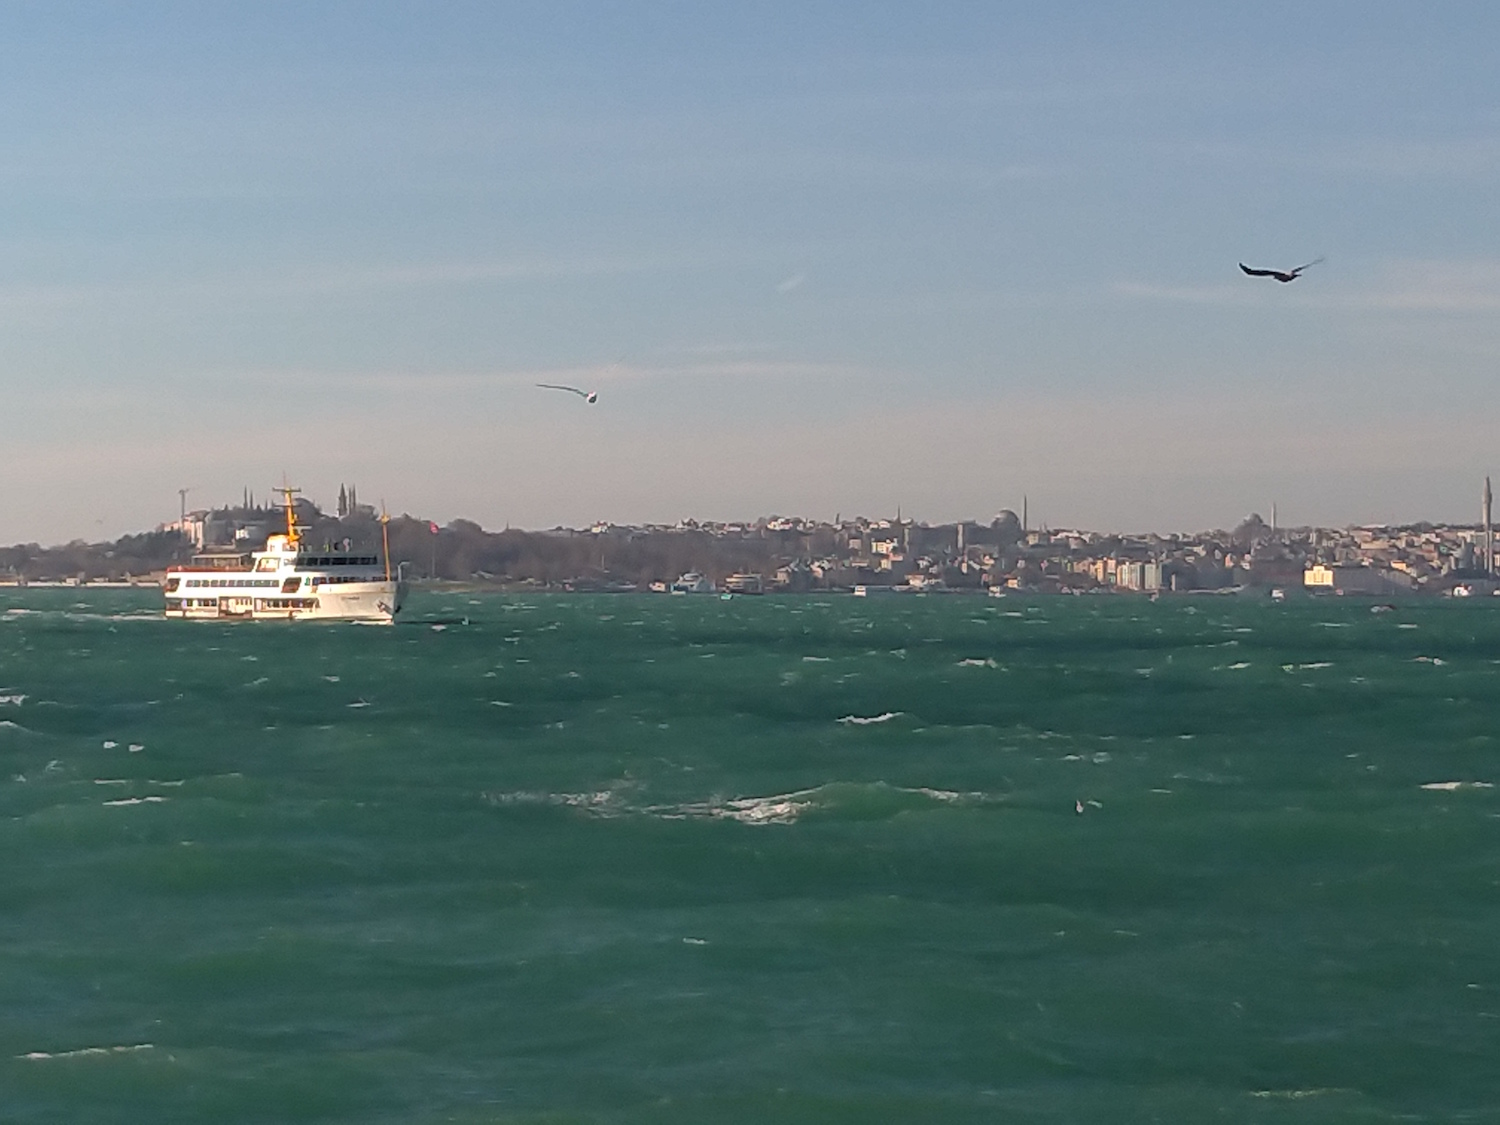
{"x": 1280, "y": 275}
{"x": 587, "y": 396}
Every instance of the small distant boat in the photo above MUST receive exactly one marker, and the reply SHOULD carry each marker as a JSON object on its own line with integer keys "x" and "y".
{"x": 693, "y": 583}
{"x": 1278, "y": 594}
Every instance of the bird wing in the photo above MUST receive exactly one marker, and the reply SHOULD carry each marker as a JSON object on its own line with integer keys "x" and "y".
{"x": 1314, "y": 262}
{"x": 1257, "y": 273}
{"x": 564, "y": 387}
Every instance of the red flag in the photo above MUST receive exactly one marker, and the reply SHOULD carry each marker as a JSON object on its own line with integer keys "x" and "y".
{"x": 432, "y": 527}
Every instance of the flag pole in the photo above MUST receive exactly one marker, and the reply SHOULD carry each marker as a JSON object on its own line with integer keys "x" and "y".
{"x": 385, "y": 538}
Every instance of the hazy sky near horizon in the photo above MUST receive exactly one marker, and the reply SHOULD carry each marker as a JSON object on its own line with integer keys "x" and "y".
{"x": 815, "y": 257}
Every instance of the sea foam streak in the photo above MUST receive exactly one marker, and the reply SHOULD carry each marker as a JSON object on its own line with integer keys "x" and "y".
{"x": 83, "y": 1052}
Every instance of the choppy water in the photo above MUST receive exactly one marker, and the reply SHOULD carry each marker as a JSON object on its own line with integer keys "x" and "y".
{"x": 645, "y": 859}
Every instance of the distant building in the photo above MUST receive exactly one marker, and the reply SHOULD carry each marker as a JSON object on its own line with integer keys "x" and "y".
{"x": 1138, "y": 576}
{"x": 1356, "y": 580}
{"x": 191, "y": 527}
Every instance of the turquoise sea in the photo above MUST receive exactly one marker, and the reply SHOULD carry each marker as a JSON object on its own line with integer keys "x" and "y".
{"x": 646, "y": 859}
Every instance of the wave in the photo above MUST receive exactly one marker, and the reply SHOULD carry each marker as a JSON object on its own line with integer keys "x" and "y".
{"x": 83, "y": 1052}
{"x": 837, "y": 800}
{"x": 841, "y": 800}
{"x": 1298, "y": 1095}
{"x": 863, "y": 720}
{"x": 1449, "y": 786}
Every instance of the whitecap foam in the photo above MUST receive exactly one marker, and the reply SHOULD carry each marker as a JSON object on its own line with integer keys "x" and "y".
{"x": 1298, "y": 1095}
{"x": 603, "y": 802}
{"x": 787, "y": 808}
{"x": 83, "y": 1052}
{"x": 783, "y": 809}
{"x": 1450, "y": 786}
{"x": 977, "y": 662}
{"x": 863, "y": 720}
{"x": 12, "y": 700}
{"x": 152, "y": 800}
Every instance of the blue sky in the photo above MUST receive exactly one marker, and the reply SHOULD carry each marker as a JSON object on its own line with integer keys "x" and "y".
{"x": 816, "y": 258}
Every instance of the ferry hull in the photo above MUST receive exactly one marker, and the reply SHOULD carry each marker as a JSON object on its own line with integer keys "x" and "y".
{"x": 370, "y": 602}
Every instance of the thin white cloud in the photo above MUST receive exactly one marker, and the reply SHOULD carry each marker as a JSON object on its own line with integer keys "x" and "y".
{"x": 1437, "y": 286}
{"x": 790, "y": 283}
{"x": 1385, "y": 157}
{"x": 470, "y": 273}
{"x": 1186, "y": 294}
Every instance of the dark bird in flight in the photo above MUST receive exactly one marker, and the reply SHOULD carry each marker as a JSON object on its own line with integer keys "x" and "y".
{"x": 1280, "y": 275}
{"x": 587, "y": 396}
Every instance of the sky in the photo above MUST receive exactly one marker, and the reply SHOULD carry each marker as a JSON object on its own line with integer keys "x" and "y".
{"x": 817, "y": 258}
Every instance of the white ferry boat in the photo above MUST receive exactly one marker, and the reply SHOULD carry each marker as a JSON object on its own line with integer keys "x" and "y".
{"x": 287, "y": 581}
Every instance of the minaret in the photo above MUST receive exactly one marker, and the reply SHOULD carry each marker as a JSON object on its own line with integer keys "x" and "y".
{"x": 1489, "y": 531}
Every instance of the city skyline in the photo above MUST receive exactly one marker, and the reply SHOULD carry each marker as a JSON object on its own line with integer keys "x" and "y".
{"x": 348, "y": 504}
{"x": 814, "y": 258}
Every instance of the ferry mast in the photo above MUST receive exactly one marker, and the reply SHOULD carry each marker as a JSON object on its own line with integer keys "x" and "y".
{"x": 287, "y": 492}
